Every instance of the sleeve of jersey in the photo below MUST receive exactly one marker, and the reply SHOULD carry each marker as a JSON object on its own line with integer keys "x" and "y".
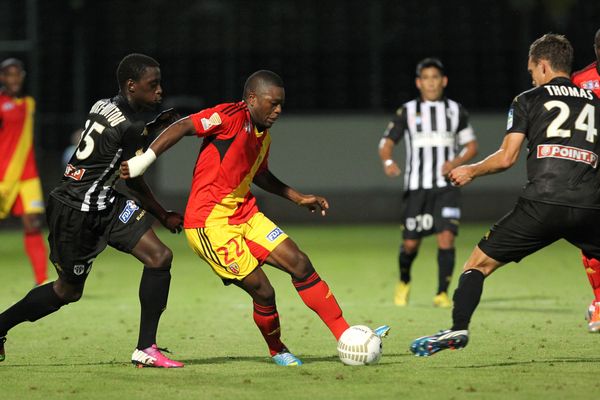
{"x": 397, "y": 126}
{"x": 208, "y": 122}
{"x": 464, "y": 130}
{"x": 264, "y": 165}
{"x": 517, "y": 116}
{"x": 134, "y": 141}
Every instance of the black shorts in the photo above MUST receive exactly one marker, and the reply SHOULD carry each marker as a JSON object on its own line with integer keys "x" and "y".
{"x": 429, "y": 211}
{"x": 532, "y": 225}
{"x": 77, "y": 237}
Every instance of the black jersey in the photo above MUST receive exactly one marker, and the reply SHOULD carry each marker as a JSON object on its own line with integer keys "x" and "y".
{"x": 433, "y": 132}
{"x": 560, "y": 123}
{"x": 111, "y": 134}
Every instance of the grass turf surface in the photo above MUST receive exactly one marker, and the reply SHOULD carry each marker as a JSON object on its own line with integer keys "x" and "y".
{"x": 528, "y": 336}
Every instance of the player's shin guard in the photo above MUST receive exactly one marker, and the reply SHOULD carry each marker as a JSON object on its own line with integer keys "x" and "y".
{"x": 154, "y": 292}
{"x": 316, "y": 295}
{"x": 267, "y": 321}
{"x": 592, "y": 268}
{"x": 405, "y": 261}
{"x": 39, "y": 302}
{"x": 445, "y": 258}
{"x": 36, "y": 251}
{"x": 466, "y": 298}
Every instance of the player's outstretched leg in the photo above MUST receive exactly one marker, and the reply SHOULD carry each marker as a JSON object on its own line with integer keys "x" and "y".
{"x": 2, "y": 353}
{"x": 153, "y": 294}
{"x": 592, "y": 268}
{"x": 466, "y": 299}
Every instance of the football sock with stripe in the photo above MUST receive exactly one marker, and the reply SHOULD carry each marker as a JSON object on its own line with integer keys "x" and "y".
{"x": 154, "y": 292}
{"x": 36, "y": 251}
{"x": 445, "y": 259}
{"x": 316, "y": 295}
{"x": 39, "y": 302}
{"x": 592, "y": 268}
{"x": 405, "y": 261}
{"x": 466, "y": 298}
{"x": 267, "y": 321}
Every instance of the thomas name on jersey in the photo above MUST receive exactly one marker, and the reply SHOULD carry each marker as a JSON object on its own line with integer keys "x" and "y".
{"x": 556, "y": 90}
{"x": 110, "y": 111}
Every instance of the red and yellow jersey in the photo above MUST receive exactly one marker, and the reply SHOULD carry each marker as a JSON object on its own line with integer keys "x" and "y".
{"x": 232, "y": 153}
{"x": 588, "y": 78}
{"x": 16, "y": 138}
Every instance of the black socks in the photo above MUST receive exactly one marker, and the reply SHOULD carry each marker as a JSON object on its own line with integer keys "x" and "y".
{"x": 445, "y": 258}
{"x": 405, "y": 261}
{"x": 466, "y": 298}
{"x": 154, "y": 292}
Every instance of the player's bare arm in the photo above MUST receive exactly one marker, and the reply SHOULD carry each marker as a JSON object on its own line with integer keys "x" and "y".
{"x": 499, "y": 161}
{"x": 171, "y": 220}
{"x": 386, "y": 149}
{"x": 269, "y": 182}
{"x": 467, "y": 153}
{"x": 137, "y": 165}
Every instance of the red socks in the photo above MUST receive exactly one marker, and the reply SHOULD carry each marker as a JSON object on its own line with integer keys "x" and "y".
{"x": 592, "y": 267}
{"x": 267, "y": 320}
{"x": 316, "y": 295}
{"x": 36, "y": 251}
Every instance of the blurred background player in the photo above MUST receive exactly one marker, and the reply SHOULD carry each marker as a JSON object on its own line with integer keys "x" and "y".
{"x": 434, "y": 128}
{"x": 20, "y": 187}
{"x": 561, "y": 199}
{"x": 222, "y": 222}
{"x": 589, "y": 78}
{"x": 85, "y": 213}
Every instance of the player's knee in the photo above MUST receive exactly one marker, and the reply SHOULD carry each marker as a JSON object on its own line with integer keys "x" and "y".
{"x": 266, "y": 295}
{"x": 302, "y": 266}
{"x": 69, "y": 293}
{"x": 410, "y": 247}
{"x": 161, "y": 258}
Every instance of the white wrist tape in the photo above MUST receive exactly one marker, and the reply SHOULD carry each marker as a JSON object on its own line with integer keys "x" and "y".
{"x": 139, "y": 164}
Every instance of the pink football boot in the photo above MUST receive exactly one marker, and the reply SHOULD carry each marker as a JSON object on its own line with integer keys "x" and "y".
{"x": 152, "y": 357}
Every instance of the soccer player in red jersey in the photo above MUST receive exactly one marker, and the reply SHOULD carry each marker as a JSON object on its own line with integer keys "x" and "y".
{"x": 589, "y": 78}
{"x": 222, "y": 222}
{"x": 20, "y": 188}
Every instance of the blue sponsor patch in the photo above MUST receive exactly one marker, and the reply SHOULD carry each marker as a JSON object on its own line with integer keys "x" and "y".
{"x": 127, "y": 213}
{"x": 274, "y": 234}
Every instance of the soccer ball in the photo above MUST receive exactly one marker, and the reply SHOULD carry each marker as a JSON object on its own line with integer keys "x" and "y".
{"x": 359, "y": 345}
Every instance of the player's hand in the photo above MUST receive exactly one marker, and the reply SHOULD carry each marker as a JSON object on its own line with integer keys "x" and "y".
{"x": 124, "y": 170}
{"x": 460, "y": 176}
{"x": 163, "y": 120}
{"x": 173, "y": 221}
{"x": 391, "y": 169}
{"x": 314, "y": 203}
{"x": 446, "y": 168}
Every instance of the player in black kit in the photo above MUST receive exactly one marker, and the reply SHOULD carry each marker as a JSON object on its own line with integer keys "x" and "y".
{"x": 561, "y": 199}
{"x": 85, "y": 213}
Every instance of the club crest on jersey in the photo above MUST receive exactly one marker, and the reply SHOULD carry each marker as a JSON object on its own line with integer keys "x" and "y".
{"x": 567, "y": 153}
{"x": 78, "y": 269}
{"x": 213, "y": 120}
{"x": 274, "y": 234}
{"x": 127, "y": 213}
{"x": 591, "y": 85}
{"x": 9, "y": 105}
{"x": 234, "y": 268}
{"x": 509, "y": 121}
{"x": 74, "y": 173}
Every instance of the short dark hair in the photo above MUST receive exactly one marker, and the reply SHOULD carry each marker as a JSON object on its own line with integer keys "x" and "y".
{"x": 12, "y": 62}
{"x": 428, "y": 63}
{"x": 133, "y": 66}
{"x": 556, "y": 49}
{"x": 260, "y": 78}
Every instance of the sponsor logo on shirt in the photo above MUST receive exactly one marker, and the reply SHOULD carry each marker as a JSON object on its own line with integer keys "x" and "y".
{"x": 591, "y": 85}
{"x": 451, "y": 212}
{"x": 74, "y": 173}
{"x": 567, "y": 153}
{"x": 9, "y": 105}
{"x": 274, "y": 234}
{"x": 214, "y": 120}
{"x": 128, "y": 210}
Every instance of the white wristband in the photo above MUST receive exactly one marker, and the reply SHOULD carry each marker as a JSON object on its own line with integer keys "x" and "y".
{"x": 388, "y": 162}
{"x": 139, "y": 164}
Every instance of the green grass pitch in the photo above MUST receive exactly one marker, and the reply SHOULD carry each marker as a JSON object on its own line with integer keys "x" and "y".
{"x": 528, "y": 337}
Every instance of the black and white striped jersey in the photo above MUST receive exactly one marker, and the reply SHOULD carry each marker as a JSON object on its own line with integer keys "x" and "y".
{"x": 433, "y": 132}
{"x": 111, "y": 134}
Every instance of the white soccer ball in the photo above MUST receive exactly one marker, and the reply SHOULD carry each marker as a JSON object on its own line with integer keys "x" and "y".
{"x": 359, "y": 345}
